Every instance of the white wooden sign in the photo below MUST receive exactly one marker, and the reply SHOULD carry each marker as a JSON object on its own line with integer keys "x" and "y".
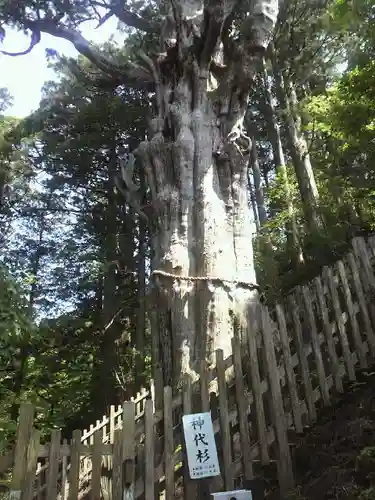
{"x": 200, "y": 445}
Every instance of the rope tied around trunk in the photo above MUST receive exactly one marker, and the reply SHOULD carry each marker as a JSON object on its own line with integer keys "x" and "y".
{"x": 244, "y": 284}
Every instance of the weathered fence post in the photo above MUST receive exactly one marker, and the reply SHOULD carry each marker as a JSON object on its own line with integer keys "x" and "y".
{"x": 64, "y": 473}
{"x": 96, "y": 466}
{"x": 290, "y": 377}
{"x": 284, "y": 462}
{"x": 117, "y": 481}
{"x": 128, "y": 450}
{"x": 324, "y": 390}
{"x": 256, "y": 386}
{"x": 24, "y": 431}
{"x": 75, "y": 448}
{"x": 329, "y": 278}
{"x": 190, "y": 487}
{"x": 356, "y": 334}
{"x": 53, "y": 463}
{"x": 304, "y": 366}
{"x": 242, "y": 404}
{"x": 362, "y": 303}
{"x": 149, "y": 452}
{"x": 168, "y": 444}
{"x": 327, "y": 329}
{"x": 31, "y": 463}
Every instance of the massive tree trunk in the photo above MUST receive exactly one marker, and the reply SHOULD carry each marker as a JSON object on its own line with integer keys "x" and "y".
{"x": 196, "y": 159}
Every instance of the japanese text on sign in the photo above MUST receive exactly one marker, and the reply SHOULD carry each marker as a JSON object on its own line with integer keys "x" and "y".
{"x": 200, "y": 445}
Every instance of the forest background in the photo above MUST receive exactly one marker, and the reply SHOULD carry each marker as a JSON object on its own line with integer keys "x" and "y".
{"x": 75, "y": 254}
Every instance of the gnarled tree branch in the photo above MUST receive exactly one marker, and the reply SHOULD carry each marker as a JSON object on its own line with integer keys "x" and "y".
{"x": 130, "y": 73}
{"x": 35, "y": 39}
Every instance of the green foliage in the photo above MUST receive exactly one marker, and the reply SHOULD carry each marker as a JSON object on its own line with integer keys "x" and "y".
{"x": 339, "y": 124}
{"x": 72, "y": 249}
{"x": 15, "y": 325}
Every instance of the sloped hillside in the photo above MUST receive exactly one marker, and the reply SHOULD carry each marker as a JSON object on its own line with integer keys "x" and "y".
{"x": 335, "y": 459}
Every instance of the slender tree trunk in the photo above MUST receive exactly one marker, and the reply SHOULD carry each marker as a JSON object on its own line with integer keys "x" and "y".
{"x": 258, "y": 184}
{"x": 280, "y": 166}
{"x": 298, "y": 151}
{"x": 105, "y": 363}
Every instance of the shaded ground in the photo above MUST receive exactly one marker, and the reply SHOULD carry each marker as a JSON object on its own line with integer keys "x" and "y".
{"x": 335, "y": 459}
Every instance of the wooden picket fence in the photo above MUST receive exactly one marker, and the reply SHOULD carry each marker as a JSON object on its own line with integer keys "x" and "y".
{"x": 271, "y": 386}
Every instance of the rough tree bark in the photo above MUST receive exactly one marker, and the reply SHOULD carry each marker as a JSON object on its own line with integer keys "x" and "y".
{"x": 196, "y": 161}
{"x": 196, "y": 158}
